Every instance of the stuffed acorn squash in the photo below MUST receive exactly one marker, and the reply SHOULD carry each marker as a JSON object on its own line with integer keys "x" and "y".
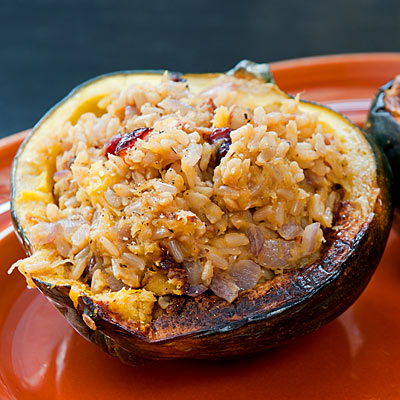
{"x": 197, "y": 216}
{"x": 383, "y": 125}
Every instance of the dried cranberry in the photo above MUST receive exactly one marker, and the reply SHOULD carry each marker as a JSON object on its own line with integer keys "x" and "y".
{"x": 111, "y": 145}
{"x": 176, "y": 77}
{"x": 223, "y": 150}
{"x": 218, "y": 134}
{"x": 167, "y": 262}
{"x": 120, "y": 143}
{"x": 221, "y": 135}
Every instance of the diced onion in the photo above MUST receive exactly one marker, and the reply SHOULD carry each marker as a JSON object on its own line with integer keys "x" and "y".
{"x": 245, "y": 273}
{"x": 225, "y": 287}
{"x": 256, "y": 238}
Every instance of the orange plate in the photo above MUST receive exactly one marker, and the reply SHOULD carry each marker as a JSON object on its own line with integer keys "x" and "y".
{"x": 357, "y": 356}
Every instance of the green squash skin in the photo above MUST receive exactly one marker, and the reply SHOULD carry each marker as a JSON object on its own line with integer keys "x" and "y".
{"x": 385, "y": 131}
{"x": 207, "y": 327}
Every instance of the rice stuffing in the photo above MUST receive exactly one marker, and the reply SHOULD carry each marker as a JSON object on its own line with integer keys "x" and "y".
{"x": 170, "y": 193}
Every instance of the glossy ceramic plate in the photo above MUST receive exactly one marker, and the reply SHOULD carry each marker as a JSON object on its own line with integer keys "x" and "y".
{"x": 357, "y": 356}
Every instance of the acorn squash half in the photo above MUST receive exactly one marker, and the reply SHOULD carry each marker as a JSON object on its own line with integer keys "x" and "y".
{"x": 291, "y": 304}
{"x": 383, "y": 125}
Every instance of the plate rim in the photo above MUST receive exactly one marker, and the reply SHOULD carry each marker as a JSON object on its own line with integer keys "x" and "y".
{"x": 11, "y": 141}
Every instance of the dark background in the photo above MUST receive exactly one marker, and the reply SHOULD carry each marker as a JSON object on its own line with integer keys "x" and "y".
{"x": 48, "y": 46}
